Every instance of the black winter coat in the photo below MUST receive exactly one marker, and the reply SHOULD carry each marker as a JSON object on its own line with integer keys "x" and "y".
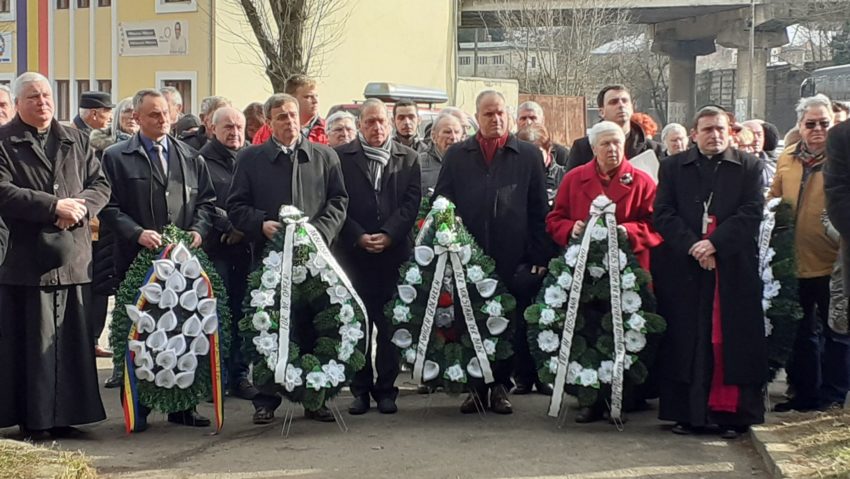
{"x": 32, "y": 180}
{"x": 392, "y": 211}
{"x": 836, "y": 183}
{"x": 503, "y": 205}
{"x": 265, "y": 180}
{"x": 143, "y": 200}
{"x": 737, "y": 205}
{"x": 221, "y": 162}
{"x": 636, "y": 143}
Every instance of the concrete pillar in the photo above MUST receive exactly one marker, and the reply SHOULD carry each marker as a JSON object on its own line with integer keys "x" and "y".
{"x": 758, "y": 65}
{"x": 681, "y": 93}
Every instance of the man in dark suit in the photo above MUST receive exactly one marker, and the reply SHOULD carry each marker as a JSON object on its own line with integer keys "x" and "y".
{"x": 615, "y": 105}
{"x": 836, "y": 182}
{"x": 498, "y": 186}
{"x": 156, "y": 180}
{"x": 382, "y": 178}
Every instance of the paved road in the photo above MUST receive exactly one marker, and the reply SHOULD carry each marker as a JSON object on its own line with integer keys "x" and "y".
{"x": 421, "y": 441}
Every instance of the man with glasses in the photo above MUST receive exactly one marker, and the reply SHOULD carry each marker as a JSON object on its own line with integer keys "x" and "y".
{"x": 820, "y": 365}
{"x": 341, "y": 128}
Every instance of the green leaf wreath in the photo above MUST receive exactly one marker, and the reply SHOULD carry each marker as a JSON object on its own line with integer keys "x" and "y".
{"x": 167, "y": 399}
{"x": 315, "y": 372}
{"x": 780, "y": 299}
{"x": 591, "y": 366}
{"x": 450, "y": 360}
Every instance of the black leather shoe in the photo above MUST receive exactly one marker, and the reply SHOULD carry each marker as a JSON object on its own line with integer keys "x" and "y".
{"x": 387, "y": 406}
{"x": 470, "y": 405}
{"x": 682, "y": 429}
{"x": 729, "y": 432}
{"x": 521, "y": 389}
{"x": 588, "y": 414}
{"x": 543, "y": 388}
{"x": 244, "y": 389}
{"x": 499, "y": 402}
{"x": 114, "y": 381}
{"x": 792, "y": 405}
{"x": 263, "y": 415}
{"x": 323, "y": 414}
{"x": 34, "y": 435}
{"x": 66, "y": 432}
{"x": 360, "y": 405}
{"x": 189, "y": 417}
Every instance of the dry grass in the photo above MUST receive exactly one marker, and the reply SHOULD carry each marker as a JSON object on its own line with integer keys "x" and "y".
{"x": 22, "y": 460}
{"x": 821, "y": 441}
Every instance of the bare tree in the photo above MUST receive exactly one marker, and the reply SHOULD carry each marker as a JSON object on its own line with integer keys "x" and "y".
{"x": 288, "y": 36}
{"x": 552, "y": 48}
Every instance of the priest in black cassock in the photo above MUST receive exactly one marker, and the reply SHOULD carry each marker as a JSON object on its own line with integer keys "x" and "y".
{"x": 51, "y": 186}
{"x": 708, "y": 208}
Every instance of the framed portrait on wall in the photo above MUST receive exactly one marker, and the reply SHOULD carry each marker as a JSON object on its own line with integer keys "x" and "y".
{"x": 175, "y": 6}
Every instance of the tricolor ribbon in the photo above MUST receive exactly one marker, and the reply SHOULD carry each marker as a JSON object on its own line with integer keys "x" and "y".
{"x": 322, "y": 251}
{"x": 444, "y": 254}
{"x": 599, "y": 209}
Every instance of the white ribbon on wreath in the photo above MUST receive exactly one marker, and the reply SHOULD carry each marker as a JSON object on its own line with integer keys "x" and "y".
{"x": 602, "y": 207}
{"x": 771, "y": 286}
{"x": 292, "y": 223}
{"x": 444, "y": 255}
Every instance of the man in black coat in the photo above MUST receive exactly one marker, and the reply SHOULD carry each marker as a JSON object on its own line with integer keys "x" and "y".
{"x": 382, "y": 178}
{"x": 708, "y": 208}
{"x": 51, "y": 186}
{"x": 836, "y": 179}
{"x": 615, "y": 105}
{"x": 531, "y": 113}
{"x": 226, "y": 245}
{"x": 498, "y": 186}
{"x": 285, "y": 170}
{"x": 156, "y": 180}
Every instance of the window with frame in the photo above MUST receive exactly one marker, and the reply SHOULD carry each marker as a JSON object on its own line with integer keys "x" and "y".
{"x": 104, "y": 3}
{"x": 498, "y": 60}
{"x": 184, "y": 87}
{"x": 63, "y": 104}
{"x": 105, "y": 86}
{"x": 83, "y": 3}
{"x": 82, "y": 86}
{"x": 5, "y": 6}
{"x": 62, "y": 4}
{"x": 483, "y": 60}
{"x": 465, "y": 60}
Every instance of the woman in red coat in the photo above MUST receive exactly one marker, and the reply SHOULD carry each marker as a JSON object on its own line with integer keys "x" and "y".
{"x": 611, "y": 175}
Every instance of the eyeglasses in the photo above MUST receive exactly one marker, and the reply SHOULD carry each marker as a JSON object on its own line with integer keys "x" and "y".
{"x": 811, "y": 125}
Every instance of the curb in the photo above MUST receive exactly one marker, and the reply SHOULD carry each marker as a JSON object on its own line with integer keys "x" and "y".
{"x": 778, "y": 456}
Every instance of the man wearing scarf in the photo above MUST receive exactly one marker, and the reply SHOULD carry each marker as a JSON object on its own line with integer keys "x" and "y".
{"x": 498, "y": 185}
{"x": 708, "y": 207}
{"x": 382, "y": 180}
{"x": 820, "y": 366}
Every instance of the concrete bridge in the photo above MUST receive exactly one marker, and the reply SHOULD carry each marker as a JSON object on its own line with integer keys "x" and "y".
{"x": 686, "y": 29}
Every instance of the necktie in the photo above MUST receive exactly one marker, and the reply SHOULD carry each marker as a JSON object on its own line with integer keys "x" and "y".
{"x": 157, "y": 148}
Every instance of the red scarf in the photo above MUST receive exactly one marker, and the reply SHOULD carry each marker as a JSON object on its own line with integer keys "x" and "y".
{"x": 605, "y": 179}
{"x": 490, "y": 145}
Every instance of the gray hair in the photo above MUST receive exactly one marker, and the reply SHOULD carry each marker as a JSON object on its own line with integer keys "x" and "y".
{"x": 603, "y": 128}
{"x": 116, "y": 115}
{"x": 442, "y": 117}
{"x": 225, "y": 110}
{"x": 531, "y": 105}
{"x": 673, "y": 127}
{"x": 339, "y": 116}
{"x": 372, "y": 103}
{"x": 172, "y": 92}
{"x": 5, "y": 88}
{"x": 275, "y": 101}
{"x": 140, "y": 96}
{"x": 485, "y": 93}
{"x": 211, "y": 104}
{"x": 25, "y": 79}
{"x": 813, "y": 102}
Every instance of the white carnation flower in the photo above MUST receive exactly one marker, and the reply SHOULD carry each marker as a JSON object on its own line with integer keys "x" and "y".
{"x": 598, "y": 233}
{"x": 548, "y": 341}
{"x": 547, "y": 316}
{"x": 445, "y": 237}
{"x": 400, "y": 313}
{"x": 338, "y": 294}
{"x": 410, "y": 355}
{"x": 316, "y": 264}
{"x": 574, "y": 370}
{"x": 299, "y": 274}
{"x": 636, "y": 322}
{"x": 474, "y": 274}
{"x": 455, "y": 373}
{"x": 293, "y": 378}
{"x": 770, "y": 254}
{"x": 489, "y": 347}
{"x": 565, "y": 280}
{"x": 596, "y": 271}
{"x": 767, "y": 275}
{"x": 628, "y": 281}
{"x": 350, "y": 332}
{"x": 554, "y": 296}
{"x": 271, "y": 360}
{"x": 571, "y": 256}
{"x": 493, "y": 308}
{"x": 335, "y": 372}
{"x": 329, "y": 277}
{"x": 413, "y": 276}
{"x": 346, "y": 313}
{"x": 635, "y": 341}
{"x": 624, "y": 260}
{"x": 631, "y": 302}
{"x": 552, "y": 364}
{"x": 768, "y": 327}
{"x": 261, "y": 321}
{"x": 630, "y": 359}
{"x": 262, "y": 298}
{"x": 765, "y": 304}
{"x": 273, "y": 260}
{"x": 346, "y": 349}
{"x": 440, "y": 205}
{"x": 265, "y": 342}
{"x": 270, "y": 279}
{"x": 317, "y": 380}
{"x": 588, "y": 378}
{"x": 606, "y": 372}
{"x": 771, "y": 290}
{"x": 301, "y": 238}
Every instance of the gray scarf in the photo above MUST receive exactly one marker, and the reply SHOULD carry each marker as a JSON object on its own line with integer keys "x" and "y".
{"x": 378, "y": 158}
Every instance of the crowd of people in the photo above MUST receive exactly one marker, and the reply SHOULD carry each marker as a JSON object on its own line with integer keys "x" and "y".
{"x": 80, "y": 201}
